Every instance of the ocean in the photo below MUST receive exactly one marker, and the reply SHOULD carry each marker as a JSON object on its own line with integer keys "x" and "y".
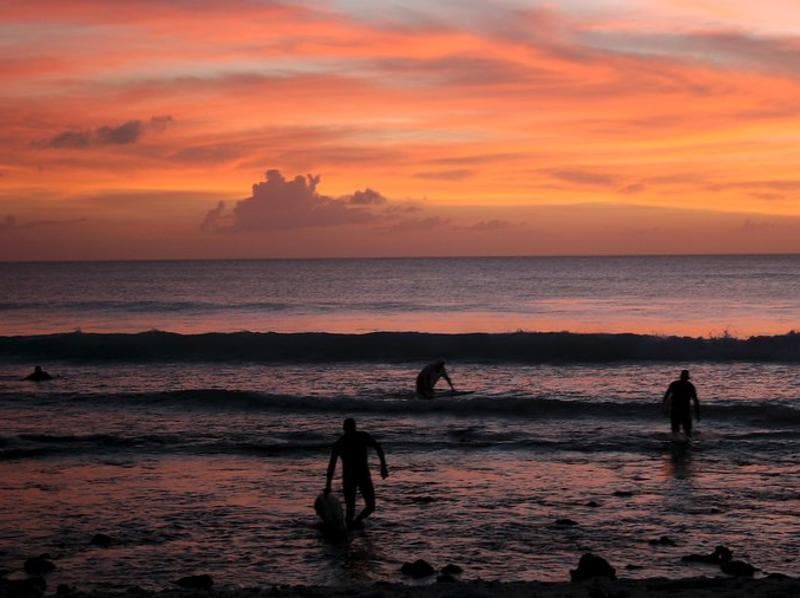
{"x": 195, "y": 404}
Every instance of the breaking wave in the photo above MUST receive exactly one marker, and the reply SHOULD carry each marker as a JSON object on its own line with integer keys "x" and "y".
{"x": 520, "y": 347}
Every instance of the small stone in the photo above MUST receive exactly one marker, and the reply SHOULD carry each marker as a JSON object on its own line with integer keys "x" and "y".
{"x": 565, "y": 522}
{"x": 593, "y": 504}
{"x": 720, "y": 555}
{"x": 590, "y": 566}
{"x": 631, "y": 567}
{"x": 663, "y": 541}
{"x": 39, "y": 565}
{"x": 32, "y": 587}
{"x": 418, "y": 569}
{"x": 738, "y": 568}
{"x": 195, "y": 582}
{"x": 101, "y": 540}
{"x": 623, "y": 493}
{"x": 451, "y": 569}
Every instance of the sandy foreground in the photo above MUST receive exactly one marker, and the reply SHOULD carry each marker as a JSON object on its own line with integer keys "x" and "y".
{"x": 774, "y": 586}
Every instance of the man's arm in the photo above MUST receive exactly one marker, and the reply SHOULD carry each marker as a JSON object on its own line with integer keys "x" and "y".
{"x": 696, "y": 404}
{"x": 379, "y": 449}
{"x": 446, "y": 377}
{"x": 331, "y": 468}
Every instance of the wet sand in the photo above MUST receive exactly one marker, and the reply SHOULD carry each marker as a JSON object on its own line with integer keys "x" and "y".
{"x": 775, "y": 586}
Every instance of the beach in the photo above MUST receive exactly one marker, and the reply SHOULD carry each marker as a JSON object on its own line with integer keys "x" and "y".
{"x": 700, "y": 587}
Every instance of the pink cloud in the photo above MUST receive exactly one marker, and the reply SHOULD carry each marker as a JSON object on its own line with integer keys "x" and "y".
{"x": 281, "y": 204}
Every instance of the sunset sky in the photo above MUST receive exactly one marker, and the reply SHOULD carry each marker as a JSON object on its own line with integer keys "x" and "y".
{"x": 204, "y": 129}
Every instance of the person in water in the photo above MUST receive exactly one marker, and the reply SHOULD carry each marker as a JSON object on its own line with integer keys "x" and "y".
{"x": 681, "y": 394}
{"x": 38, "y": 375}
{"x": 352, "y": 448}
{"x": 429, "y": 376}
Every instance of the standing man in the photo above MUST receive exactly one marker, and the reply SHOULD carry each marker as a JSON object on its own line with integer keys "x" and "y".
{"x": 429, "y": 376}
{"x": 352, "y": 448}
{"x": 679, "y": 396}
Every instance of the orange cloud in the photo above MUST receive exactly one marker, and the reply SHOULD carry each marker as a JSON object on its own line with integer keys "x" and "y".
{"x": 492, "y": 108}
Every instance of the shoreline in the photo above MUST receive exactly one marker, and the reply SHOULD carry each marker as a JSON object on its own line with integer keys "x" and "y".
{"x": 775, "y": 585}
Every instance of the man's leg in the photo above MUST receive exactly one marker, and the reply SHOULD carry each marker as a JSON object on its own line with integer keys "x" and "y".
{"x": 349, "y": 487}
{"x": 687, "y": 424}
{"x": 675, "y": 420}
{"x": 368, "y": 492}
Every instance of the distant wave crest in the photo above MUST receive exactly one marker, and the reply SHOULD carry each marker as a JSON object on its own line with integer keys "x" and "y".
{"x": 521, "y": 347}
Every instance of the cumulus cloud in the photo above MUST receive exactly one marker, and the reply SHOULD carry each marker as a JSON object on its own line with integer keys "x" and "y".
{"x": 281, "y": 204}
{"x": 127, "y": 133}
{"x": 367, "y": 197}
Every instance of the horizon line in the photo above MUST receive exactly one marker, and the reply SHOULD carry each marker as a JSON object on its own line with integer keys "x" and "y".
{"x": 398, "y": 257}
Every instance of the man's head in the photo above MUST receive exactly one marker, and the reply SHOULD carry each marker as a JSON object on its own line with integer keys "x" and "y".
{"x": 684, "y": 375}
{"x": 349, "y": 425}
{"x": 37, "y": 369}
{"x": 439, "y": 363}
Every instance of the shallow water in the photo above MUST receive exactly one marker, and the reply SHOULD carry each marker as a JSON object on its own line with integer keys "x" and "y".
{"x": 195, "y": 468}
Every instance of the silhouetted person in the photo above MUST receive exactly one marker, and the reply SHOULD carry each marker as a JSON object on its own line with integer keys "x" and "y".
{"x": 682, "y": 394}
{"x": 429, "y": 376}
{"x": 352, "y": 448}
{"x": 38, "y": 375}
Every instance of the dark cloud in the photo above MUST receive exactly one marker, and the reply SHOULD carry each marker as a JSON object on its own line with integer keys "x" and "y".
{"x": 9, "y": 223}
{"x": 445, "y": 175}
{"x": 71, "y": 139}
{"x": 478, "y": 159}
{"x": 281, "y": 204}
{"x": 125, "y": 134}
{"x": 216, "y": 219}
{"x": 367, "y": 197}
{"x": 128, "y": 132}
{"x": 581, "y": 177}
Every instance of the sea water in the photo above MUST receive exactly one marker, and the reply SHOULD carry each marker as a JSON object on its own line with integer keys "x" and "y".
{"x": 203, "y": 453}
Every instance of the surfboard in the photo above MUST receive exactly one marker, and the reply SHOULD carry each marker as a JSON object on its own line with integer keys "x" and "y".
{"x": 445, "y": 393}
{"x": 329, "y": 510}
{"x": 680, "y": 439}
